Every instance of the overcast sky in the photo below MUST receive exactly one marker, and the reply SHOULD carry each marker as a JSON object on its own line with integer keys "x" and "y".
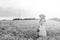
{"x": 29, "y": 8}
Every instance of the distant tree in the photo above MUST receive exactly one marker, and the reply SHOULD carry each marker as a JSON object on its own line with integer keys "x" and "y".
{"x": 55, "y": 19}
{"x": 4, "y": 19}
{"x": 29, "y": 18}
{"x": 16, "y": 19}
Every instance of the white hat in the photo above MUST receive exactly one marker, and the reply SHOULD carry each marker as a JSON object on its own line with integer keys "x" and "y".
{"x": 42, "y": 15}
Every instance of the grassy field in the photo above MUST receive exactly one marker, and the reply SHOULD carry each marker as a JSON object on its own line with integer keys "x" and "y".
{"x": 28, "y": 27}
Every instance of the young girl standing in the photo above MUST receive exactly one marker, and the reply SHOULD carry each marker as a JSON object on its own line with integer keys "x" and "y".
{"x": 42, "y": 26}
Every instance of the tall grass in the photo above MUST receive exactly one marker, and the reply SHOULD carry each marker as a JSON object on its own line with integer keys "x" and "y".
{"x": 12, "y": 31}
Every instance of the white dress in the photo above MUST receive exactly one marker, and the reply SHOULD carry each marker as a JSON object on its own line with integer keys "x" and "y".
{"x": 42, "y": 30}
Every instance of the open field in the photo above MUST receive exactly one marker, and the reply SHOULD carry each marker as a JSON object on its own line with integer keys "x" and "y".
{"x": 29, "y": 27}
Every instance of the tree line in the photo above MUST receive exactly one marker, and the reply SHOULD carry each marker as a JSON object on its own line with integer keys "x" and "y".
{"x": 25, "y": 19}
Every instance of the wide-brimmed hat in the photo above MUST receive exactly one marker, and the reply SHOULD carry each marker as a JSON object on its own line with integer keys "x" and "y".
{"x": 42, "y": 15}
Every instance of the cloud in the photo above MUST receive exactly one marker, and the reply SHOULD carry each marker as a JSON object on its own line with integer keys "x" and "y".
{"x": 8, "y": 12}
{"x": 5, "y": 0}
{"x": 10, "y": 3}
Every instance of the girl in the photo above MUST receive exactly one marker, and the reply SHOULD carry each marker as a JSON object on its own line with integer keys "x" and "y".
{"x": 42, "y": 27}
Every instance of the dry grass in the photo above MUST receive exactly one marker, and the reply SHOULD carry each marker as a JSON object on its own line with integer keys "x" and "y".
{"x": 24, "y": 29}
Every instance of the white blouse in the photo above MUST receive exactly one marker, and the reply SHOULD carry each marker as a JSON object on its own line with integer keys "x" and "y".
{"x": 42, "y": 28}
{"x": 42, "y": 31}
